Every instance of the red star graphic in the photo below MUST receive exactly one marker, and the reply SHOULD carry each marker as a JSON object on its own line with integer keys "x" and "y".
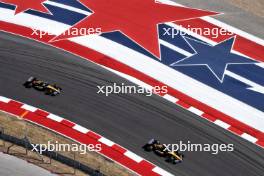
{"x": 137, "y": 19}
{"x": 23, "y": 5}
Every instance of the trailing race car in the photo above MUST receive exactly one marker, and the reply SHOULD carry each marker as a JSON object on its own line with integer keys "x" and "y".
{"x": 160, "y": 149}
{"x": 49, "y": 89}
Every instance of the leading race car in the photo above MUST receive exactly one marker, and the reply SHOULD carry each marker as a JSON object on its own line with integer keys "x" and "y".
{"x": 49, "y": 89}
{"x": 160, "y": 149}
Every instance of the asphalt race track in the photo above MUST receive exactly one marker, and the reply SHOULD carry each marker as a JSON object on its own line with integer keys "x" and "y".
{"x": 129, "y": 120}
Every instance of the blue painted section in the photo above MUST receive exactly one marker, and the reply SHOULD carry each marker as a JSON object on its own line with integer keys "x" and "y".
{"x": 7, "y": 6}
{"x": 250, "y": 72}
{"x": 72, "y": 3}
{"x": 176, "y": 40}
{"x": 217, "y": 58}
{"x": 122, "y": 39}
{"x": 59, "y": 15}
{"x": 169, "y": 56}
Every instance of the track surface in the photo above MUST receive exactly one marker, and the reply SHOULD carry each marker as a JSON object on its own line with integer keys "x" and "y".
{"x": 129, "y": 120}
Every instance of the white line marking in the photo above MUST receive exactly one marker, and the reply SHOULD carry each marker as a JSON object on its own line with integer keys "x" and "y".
{"x": 254, "y": 86}
{"x": 222, "y": 124}
{"x": 170, "y": 98}
{"x": 257, "y": 89}
{"x": 63, "y": 6}
{"x": 161, "y": 172}
{"x": 196, "y": 111}
{"x": 4, "y": 99}
{"x": 133, "y": 156}
{"x": 29, "y": 108}
{"x": 55, "y": 117}
{"x": 175, "y": 48}
{"x": 234, "y": 30}
{"x": 81, "y": 129}
{"x": 249, "y": 137}
{"x": 260, "y": 65}
{"x": 106, "y": 141}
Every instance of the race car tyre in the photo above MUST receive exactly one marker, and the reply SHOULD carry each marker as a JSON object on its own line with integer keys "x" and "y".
{"x": 172, "y": 160}
{"x": 40, "y": 88}
{"x": 28, "y": 84}
{"x": 47, "y": 92}
{"x": 148, "y": 148}
{"x": 160, "y": 153}
{"x": 54, "y": 93}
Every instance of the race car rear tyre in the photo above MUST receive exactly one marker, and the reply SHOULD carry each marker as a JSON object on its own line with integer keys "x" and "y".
{"x": 54, "y": 93}
{"x": 172, "y": 160}
{"x": 47, "y": 92}
{"x": 28, "y": 84}
{"x": 148, "y": 147}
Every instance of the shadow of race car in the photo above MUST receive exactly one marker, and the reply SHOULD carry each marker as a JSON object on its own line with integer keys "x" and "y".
{"x": 49, "y": 89}
{"x": 160, "y": 150}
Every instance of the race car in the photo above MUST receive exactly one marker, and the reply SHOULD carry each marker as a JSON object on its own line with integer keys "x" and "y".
{"x": 49, "y": 89}
{"x": 160, "y": 149}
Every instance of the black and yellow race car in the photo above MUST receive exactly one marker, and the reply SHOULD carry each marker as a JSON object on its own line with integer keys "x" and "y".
{"x": 49, "y": 89}
{"x": 160, "y": 150}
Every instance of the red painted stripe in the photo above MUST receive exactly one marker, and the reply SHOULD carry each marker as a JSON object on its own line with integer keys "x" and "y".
{"x": 119, "y": 148}
{"x": 2, "y": 105}
{"x": 147, "y": 166}
{"x": 41, "y": 113}
{"x": 183, "y": 104}
{"x": 36, "y": 118}
{"x": 235, "y": 130}
{"x": 119, "y": 157}
{"x": 13, "y": 103}
{"x": 112, "y": 63}
{"x": 15, "y": 110}
{"x": 260, "y": 143}
{"x": 209, "y": 117}
{"x": 68, "y": 123}
{"x": 93, "y": 135}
